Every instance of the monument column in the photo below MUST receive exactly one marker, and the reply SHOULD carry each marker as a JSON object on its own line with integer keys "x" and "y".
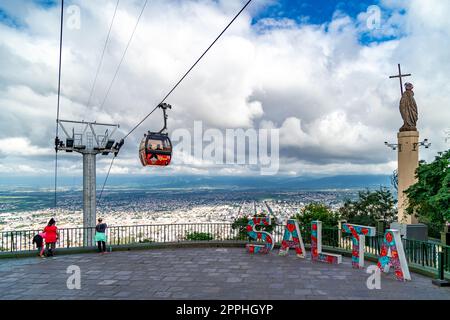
{"x": 408, "y": 161}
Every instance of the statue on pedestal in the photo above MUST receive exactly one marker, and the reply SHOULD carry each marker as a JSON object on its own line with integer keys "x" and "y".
{"x": 408, "y": 109}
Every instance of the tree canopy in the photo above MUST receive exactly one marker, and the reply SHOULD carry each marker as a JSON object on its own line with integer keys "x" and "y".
{"x": 429, "y": 197}
{"x": 317, "y": 211}
{"x": 370, "y": 207}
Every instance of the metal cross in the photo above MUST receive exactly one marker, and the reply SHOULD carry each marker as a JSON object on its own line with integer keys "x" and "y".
{"x": 400, "y": 75}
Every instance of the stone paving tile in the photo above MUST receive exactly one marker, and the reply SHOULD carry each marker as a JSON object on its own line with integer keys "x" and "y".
{"x": 206, "y": 273}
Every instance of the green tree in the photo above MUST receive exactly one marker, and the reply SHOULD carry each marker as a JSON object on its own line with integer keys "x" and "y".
{"x": 317, "y": 211}
{"x": 429, "y": 197}
{"x": 370, "y": 207}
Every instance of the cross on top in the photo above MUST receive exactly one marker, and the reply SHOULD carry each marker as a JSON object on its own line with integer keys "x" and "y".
{"x": 400, "y": 76}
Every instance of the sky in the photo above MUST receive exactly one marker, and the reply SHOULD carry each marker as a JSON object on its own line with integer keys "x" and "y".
{"x": 316, "y": 70}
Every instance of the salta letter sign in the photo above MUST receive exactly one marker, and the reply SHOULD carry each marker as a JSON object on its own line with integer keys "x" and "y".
{"x": 393, "y": 255}
{"x": 292, "y": 238}
{"x": 316, "y": 246}
{"x": 359, "y": 234}
{"x": 263, "y": 236}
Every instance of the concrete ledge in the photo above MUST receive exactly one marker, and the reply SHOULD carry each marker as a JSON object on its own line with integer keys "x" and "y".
{"x": 128, "y": 247}
{"x": 429, "y": 272}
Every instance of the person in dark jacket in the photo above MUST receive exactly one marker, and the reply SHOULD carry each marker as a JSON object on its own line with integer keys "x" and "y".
{"x": 100, "y": 235}
{"x": 39, "y": 241}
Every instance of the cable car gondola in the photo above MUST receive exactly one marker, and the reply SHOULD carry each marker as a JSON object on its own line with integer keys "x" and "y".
{"x": 156, "y": 148}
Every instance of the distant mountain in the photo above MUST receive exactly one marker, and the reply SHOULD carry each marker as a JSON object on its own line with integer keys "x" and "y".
{"x": 343, "y": 182}
{"x": 262, "y": 182}
{"x": 210, "y": 182}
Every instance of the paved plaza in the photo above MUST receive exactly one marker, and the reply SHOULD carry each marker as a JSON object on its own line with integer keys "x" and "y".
{"x": 200, "y": 273}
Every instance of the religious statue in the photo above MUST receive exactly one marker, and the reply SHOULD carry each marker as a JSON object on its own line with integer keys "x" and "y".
{"x": 408, "y": 109}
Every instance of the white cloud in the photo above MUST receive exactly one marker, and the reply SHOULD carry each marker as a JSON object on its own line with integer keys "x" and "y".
{"x": 329, "y": 94}
{"x": 21, "y": 147}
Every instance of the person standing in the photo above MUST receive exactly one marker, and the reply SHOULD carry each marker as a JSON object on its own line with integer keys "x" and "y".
{"x": 100, "y": 235}
{"x": 51, "y": 236}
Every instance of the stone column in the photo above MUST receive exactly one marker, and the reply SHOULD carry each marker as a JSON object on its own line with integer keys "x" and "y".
{"x": 408, "y": 161}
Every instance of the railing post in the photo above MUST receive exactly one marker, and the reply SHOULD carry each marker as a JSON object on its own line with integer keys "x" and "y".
{"x": 447, "y": 258}
{"x": 381, "y": 224}
{"x": 340, "y": 222}
{"x": 441, "y": 282}
{"x": 12, "y": 241}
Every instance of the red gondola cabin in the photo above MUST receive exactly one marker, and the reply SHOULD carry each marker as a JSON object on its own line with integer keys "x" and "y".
{"x": 155, "y": 149}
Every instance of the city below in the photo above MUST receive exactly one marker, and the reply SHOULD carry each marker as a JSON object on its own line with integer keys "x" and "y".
{"x": 30, "y": 207}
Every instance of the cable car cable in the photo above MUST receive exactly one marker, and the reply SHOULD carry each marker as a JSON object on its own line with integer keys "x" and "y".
{"x": 110, "y": 166}
{"x": 102, "y": 55}
{"x": 112, "y": 81}
{"x": 119, "y": 145}
{"x": 59, "y": 95}
{"x": 104, "y": 183}
{"x": 190, "y": 69}
{"x": 123, "y": 56}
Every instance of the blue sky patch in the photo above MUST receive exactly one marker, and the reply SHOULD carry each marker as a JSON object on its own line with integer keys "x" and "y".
{"x": 313, "y": 11}
{"x": 47, "y": 3}
{"x": 317, "y": 12}
{"x": 9, "y": 20}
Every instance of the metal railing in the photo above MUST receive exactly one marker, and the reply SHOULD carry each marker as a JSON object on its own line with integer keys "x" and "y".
{"x": 18, "y": 241}
{"x": 418, "y": 253}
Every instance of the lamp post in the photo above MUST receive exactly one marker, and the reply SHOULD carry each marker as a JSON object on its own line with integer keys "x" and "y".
{"x": 423, "y": 143}
{"x": 393, "y": 146}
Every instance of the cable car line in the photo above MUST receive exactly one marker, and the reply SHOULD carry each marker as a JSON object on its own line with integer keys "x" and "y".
{"x": 104, "y": 183}
{"x": 162, "y": 104}
{"x": 122, "y": 141}
{"x": 59, "y": 95}
{"x": 190, "y": 69}
{"x": 102, "y": 55}
{"x": 118, "y": 146}
{"x": 123, "y": 55}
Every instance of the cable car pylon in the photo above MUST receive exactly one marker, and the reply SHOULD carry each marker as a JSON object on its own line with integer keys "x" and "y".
{"x": 84, "y": 138}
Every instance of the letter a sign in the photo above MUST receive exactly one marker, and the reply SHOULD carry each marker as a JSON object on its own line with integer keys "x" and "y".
{"x": 393, "y": 255}
{"x": 292, "y": 238}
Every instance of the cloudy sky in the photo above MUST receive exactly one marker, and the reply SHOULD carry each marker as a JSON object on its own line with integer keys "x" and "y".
{"x": 316, "y": 70}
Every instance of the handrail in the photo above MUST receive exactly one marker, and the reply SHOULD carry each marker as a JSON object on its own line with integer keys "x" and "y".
{"x": 418, "y": 253}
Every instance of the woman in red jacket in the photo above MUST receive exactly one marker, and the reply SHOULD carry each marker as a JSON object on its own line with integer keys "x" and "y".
{"x": 51, "y": 236}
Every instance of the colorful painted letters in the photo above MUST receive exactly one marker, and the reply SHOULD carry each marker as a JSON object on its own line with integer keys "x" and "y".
{"x": 316, "y": 246}
{"x": 358, "y": 239}
{"x": 292, "y": 238}
{"x": 392, "y": 254}
{"x": 259, "y": 235}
